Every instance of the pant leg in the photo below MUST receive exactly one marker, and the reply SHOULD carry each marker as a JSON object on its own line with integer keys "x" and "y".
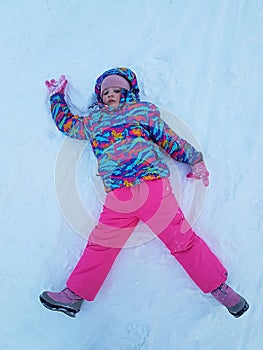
{"x": 169, "y": 223}
{"x": 104, "y": 244}
{"x": 194, "y": 255}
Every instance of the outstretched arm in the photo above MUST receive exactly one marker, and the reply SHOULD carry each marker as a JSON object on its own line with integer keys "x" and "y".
{"x": 176, "y": 147}
{"x": 71, "y": 125}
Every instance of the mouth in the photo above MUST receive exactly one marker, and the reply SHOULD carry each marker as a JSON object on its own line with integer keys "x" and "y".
{"x": 111, "y": 101}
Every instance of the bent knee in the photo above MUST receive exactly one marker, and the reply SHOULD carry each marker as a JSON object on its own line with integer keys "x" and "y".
{"x": 184, "y": 242}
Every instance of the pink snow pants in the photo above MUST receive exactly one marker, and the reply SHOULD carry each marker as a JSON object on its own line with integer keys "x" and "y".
{"x": 154, "y": 203}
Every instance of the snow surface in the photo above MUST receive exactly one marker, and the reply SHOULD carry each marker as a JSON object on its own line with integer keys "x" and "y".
{"x": 201, "y": 60}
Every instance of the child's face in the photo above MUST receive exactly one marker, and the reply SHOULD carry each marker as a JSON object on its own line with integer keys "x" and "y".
{"x": 111, "y": 96}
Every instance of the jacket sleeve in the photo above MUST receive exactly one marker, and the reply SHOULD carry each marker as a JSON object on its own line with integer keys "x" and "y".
{"x": 176, "y": 147}
{"x": 69, "y": 124}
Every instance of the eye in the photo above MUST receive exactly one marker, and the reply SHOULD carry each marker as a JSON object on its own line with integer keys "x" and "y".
{"x": 105, "y": 92}
{"x": 117, "y": 91}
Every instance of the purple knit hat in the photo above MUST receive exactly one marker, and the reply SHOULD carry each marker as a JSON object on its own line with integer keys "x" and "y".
{"x": 114, "y": 80}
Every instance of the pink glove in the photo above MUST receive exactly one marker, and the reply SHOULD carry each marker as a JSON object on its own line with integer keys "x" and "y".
{"x": 199, "y": 172}
{"x": 55, "y": 87}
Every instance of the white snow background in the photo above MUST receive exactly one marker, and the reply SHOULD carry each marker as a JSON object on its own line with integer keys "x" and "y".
{"x": 201, "y": 60}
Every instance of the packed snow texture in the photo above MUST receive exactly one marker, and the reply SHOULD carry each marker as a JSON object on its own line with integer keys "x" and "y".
{"x": 201, "y": 60}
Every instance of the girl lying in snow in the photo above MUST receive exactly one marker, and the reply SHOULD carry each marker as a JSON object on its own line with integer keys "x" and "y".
{"x": 126, "y": 137}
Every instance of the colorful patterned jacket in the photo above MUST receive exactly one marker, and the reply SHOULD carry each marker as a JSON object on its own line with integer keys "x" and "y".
{"x": 126, "y": 141}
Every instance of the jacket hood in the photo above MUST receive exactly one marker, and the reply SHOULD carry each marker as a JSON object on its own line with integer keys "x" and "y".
{"x": 127, "y": 96}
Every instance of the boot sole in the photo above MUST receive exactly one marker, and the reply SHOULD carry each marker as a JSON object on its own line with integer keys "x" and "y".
{"x": 66, "y": 310}
{"x": 241, "y": 312}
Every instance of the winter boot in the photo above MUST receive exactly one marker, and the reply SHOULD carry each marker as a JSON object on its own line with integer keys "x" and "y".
{"x": 65, "y": 301}
{"x": 235, "y": 303}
